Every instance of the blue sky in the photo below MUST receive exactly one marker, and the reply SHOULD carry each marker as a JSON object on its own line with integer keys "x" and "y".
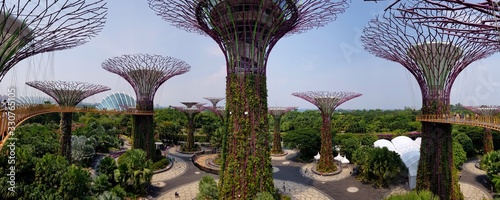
{"x": 328, "y": 58}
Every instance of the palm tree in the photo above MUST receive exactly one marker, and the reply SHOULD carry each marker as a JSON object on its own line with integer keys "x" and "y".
{"x": 134, "y": 170}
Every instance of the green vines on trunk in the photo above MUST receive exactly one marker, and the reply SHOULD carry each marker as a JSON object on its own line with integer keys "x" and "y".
{"x": 435, "y": 168}
{"x": 326, "y": 163}
{"x": 247, "y": 166}
{"x": 488, "y": 141}
{"x": 143, "y": 130}
{"x": 190, "y": 133}
{"x": 277, "y": 136}
{"x": 65, "y": 139}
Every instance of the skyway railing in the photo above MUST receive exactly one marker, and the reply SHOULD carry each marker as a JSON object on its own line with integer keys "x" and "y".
{"x": 11, "y": 119}
{"x": 491, "y": 122}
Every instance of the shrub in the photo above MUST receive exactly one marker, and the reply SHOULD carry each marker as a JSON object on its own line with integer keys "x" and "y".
{"x": 349, "y": 145}
{"x": 491, "y": 164}
{"x": 378, "y": 166}
{"x": 160, "y": 164}
{"x": 459, "y": 155}
{"x": 466, "y": 143}
{"x": 207, "y": 189}
{"x": 306, "y": 140}
{"x": 75, "y": 183}
{"x": 414, "y": 195}
{"x": 264, "y": 196}
{"x": 107, "y": 166}
{"x": 368, "y": 139}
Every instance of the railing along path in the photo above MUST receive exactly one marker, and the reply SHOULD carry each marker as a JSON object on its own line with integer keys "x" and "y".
{"x": 491, "y": 122}
{"x": 11, "y": 119}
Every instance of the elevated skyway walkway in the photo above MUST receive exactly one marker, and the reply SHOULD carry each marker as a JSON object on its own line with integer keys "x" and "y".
{"x": 12, "y": 119}
{"x": 491, "y": 122}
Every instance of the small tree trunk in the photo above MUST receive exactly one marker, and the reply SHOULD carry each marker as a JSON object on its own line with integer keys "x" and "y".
{"x": 277, "y": 136}
{"x": 190, "y": 132}
{"x": 488, "y": 141}
{"x": 326, "y": 163}
{"x": 65, "y": 139}
{"x": 142, "y": 129}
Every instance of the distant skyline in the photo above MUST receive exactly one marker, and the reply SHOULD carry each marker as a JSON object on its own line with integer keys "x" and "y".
{"x": 328, "y": 58}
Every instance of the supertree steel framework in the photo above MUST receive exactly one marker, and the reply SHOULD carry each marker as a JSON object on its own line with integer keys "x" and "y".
{"x": 190, "y": 113}
{"x": 246, "y": 31}
{"x": 487, "y": 111}
{"x": 326, "y": 102}
{"x": 481, "y": 22}
{"x": 67, "y": 94}
{"x": 435, "y": 60}
{"x": 277, "y": 113}
{"x": 218, "y": 110}
{"x": 145, "y": 73}
{"x": 38, "y": 26}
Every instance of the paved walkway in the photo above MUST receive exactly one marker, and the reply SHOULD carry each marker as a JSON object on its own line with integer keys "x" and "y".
{"x": 471, "y": 192}
{"x": 312, "y": 187}
{"x": 179, "y": 167}
{"x": 470, "y": 166}
{"x": 293, "y": 189}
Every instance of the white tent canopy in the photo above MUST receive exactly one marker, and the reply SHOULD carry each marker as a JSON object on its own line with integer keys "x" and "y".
{"x": 338, "y": 157}
{"x": 408, "y": 150}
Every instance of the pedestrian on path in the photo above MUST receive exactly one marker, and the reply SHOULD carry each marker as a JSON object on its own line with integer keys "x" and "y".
{"x": 177, "y": 195}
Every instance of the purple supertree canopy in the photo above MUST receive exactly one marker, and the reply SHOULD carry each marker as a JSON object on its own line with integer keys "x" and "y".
{"x": 198, "y": 16}
{"x": 278, "y": 111}
{"x": 485, "y": 110}
{"x": 189, "y": 109}
{"x": 478, "y": 21}
{"x": 67, "y": 93}
{"x": 435, "y": 59}
{"x": 38, "y": 26}
{"x": 247, "y": 30}
{"x": 326, "y": 101}
{"x": 214, "y": 100}
{"x": 146, "y": 73}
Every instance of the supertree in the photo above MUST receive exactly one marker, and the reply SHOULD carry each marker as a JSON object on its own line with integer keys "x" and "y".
{"x": 486, "y": 111}
{"x": 67, "y": 94}
{"x": 277, "y": 113}
{"x": 435, "y": 60}
{"x": 218, "y": 110}
{"x": 326, "y": 102}
{"x": 145, "y": 73}
{"x": 246, "y": 31}
{"x": 214, "y": 100}
{"x": 39, "y": 26}
{"x": 190, "y": 113}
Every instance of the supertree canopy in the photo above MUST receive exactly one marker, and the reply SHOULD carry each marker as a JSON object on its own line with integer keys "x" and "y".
{"x": 487, "y": 111}
{"x": 480, "y": 22}
{"x": 326, "y": 102}
{"x": 146, "y": 73}
{"x": 38, "y": 26}
{"x": 246, "y": 31}
{"x": 435, "y": 60}
{"x": 67, "y": 93}
{"x": 220, "y": 111}
{"x": 190, "y": 113}
{"x": 277, "y": 113}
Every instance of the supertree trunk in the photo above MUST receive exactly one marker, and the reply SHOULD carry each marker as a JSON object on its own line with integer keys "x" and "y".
{"x": 488, "y": 141}
{"x": 190, "y": 133}
{"x": 65, "y": 139}
{"x": 326, "y": 163}
{"x": 247, "y": 165}
{"x": 277, "y": 136}
{"x": 143, "y": 130}
{"x": 435, "y": 167}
